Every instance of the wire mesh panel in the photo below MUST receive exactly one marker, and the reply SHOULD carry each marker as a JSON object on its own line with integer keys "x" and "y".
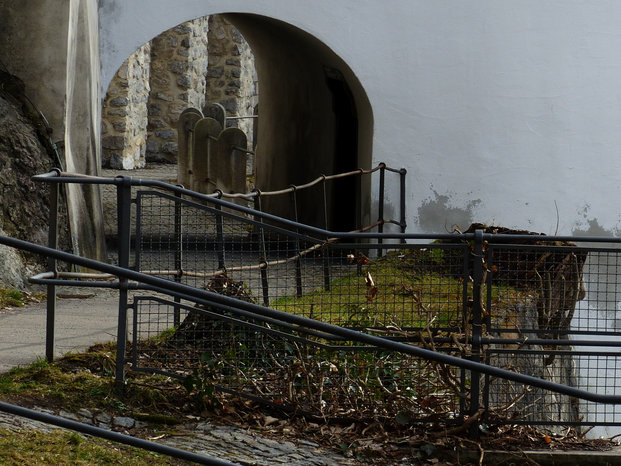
{"x": 552, "y": 313}
{"x": 534, "y": 290}
{"x": 521, "y": 404}
{"x": 291, "y": 368}
{"x": 599, "y": 372}
{"x": 595, "y": 371}
{"x": 207, "y": 247}
{"x": 408, "y": 287}
{"x": 598, "y": 312}
{"x": 535, "y": 316}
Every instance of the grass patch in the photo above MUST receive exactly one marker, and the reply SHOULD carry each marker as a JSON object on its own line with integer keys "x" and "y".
{"x": 394, "y": 290}
{"x": 12, "y": 297}
{"x": 86, "y": 380}
{"x": 409, "y": 289}
{"x": 69, "y": 448}
{"x": 44, "y": 381}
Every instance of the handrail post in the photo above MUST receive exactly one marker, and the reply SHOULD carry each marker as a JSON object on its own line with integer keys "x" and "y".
{"x": 326, "y": 259}
{"x": 476, "y": 326}
{"x": 220, "y": 233}
{"x": 123, "y": 199}
{"x": 380, "y": 208}
{"x": 52, "y": 267}
{"x": 178, "y": 255}
{"x": 298, "y": 260}
{"x": 262, "y": 251}
{"x": 402, "y": 173}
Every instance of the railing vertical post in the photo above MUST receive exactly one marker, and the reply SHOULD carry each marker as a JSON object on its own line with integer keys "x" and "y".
{"x": 326, "y": 259}
{"x": 298, "y": 261}
{"x": 402, "y": 173}
{"x": 476, "y": 326}
{"x": 123, "y": 199}
{"x": 51, "y": 264}
{"x": 220, "y": 234}
{"x": 487, "y": 321}
{"x": 466, "y": 267}
{"x": 262, "y": 252}
{"x": 380, "y": 208}
{"x": 178, "y": 256}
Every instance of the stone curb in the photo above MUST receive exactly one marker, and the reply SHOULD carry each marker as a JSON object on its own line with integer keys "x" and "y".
{"x": 541, "y": 457}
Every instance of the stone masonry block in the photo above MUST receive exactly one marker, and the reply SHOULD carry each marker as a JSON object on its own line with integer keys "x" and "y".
{"x": 119, "y": 125}
{"x": 166, "y": 134}
{"x": 121, "y": 111}
{"x": 177, "y": 67}
{"x": 170, "y": 148}
{"x": 113, "y": 142}
{"x": 184, "y": 81}
{"x": 155, "y": 110}
{"x": 163, "y": 96}
{"x": 119, "y": 102}
{"x": 215, "y": 72}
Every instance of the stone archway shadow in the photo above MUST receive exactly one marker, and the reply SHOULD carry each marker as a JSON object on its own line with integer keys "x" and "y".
{"x": 314, "y": 118}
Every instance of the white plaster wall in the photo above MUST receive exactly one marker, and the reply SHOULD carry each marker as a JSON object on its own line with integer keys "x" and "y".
{"x": 502, "y": 111}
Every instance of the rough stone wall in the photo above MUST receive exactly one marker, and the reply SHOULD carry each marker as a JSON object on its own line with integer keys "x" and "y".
{"x": 124, "y": 116}
{"x": 24, "y": 204}
{"x": 202, "y": 61}
{"x": 231, "y": 76}
{"x": 178, "y": 67}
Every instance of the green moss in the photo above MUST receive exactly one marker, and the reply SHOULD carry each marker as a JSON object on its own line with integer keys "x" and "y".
{"x": 86, "y": 381}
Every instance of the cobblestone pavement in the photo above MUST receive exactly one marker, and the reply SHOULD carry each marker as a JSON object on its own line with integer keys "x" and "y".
{"x": 229, "y": 443}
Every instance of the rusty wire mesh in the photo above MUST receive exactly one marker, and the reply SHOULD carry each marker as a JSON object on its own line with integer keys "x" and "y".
{"x": 536, "y": 312}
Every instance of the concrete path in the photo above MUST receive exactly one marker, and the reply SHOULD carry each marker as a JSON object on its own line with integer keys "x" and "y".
{"x": 80, "y": 322}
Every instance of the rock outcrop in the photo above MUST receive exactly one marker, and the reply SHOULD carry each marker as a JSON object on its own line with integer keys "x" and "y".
{"x": 24, "y": 206}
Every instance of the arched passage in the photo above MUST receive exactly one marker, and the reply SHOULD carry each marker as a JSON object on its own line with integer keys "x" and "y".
{"x": 315, "y": 118}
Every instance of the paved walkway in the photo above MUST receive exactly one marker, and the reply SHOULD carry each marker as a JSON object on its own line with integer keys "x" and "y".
{"x": 80, "y": 322}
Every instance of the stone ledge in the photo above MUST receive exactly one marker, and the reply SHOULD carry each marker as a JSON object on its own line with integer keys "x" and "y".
{"x": 541, "y": 457}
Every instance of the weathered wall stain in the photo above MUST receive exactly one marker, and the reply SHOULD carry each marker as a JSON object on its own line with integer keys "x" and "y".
{"x": 440, "y": 214}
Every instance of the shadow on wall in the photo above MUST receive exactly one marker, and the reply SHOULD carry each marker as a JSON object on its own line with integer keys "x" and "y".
{"x": 315, "y": 118}
{"x": 438, "y": 216}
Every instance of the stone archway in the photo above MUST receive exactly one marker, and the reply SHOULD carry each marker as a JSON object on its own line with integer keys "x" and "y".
{"x": 315, "y": 118}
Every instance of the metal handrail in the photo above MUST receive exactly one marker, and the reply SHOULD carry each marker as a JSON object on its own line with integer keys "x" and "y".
{"x": 81, "y": 178}
{"x": 233, "y": 305}
{"x": 56, "y": 176}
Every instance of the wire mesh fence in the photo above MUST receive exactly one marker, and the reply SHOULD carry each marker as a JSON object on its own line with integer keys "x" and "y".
{"x": 534, "y": 305}
{"x": 526, "y": 317}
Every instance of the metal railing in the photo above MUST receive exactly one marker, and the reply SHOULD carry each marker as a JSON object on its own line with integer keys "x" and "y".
{"x": 431, "y": 328}
{"x": 322, "y": 188}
